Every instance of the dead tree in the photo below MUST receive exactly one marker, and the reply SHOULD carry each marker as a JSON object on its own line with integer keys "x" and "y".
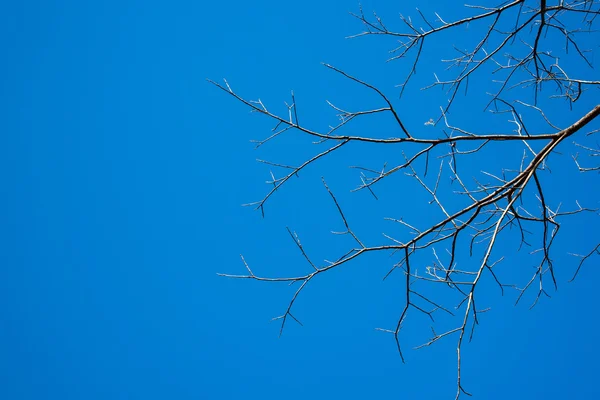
{"x": 532, "y": 52}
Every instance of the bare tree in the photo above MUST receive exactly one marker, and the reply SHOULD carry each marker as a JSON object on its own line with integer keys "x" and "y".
{"x": 531, "y": 50}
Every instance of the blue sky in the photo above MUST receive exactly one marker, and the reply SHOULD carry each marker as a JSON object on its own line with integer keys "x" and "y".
{"x": 123, "y": 173}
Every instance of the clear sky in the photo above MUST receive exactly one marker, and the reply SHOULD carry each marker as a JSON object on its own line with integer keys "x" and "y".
{"x": 123, "y": 173}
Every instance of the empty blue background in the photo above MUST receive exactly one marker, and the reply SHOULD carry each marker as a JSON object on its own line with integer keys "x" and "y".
{"x": 123, "y": 172}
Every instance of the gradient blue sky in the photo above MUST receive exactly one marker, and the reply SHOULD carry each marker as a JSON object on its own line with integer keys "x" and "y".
{"x": 123, "y": 172}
